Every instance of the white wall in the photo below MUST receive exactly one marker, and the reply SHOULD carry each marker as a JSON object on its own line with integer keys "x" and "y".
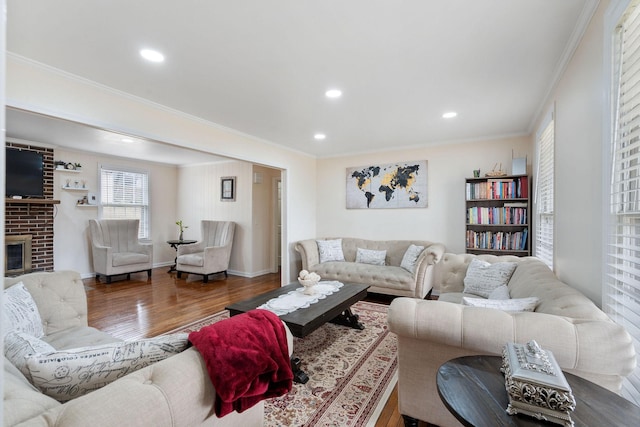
{"x": 199, "y": 198}
{"x": 579, "y": 102}
{"x": 444, "y": 218}
{"x": 71, "y": 245}
{"x": 38, "y": 88}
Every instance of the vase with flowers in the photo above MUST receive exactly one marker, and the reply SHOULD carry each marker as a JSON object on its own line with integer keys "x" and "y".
{"x": 182, "y": 228}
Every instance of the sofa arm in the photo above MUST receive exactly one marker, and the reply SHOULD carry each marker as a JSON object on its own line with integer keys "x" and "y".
{"x": 583, "y": 346}
{"x": 432, "y": 254}
{"x": 433, "y": 332}
{"x": 174, "y": 392}
{"x": 308, "y": 250}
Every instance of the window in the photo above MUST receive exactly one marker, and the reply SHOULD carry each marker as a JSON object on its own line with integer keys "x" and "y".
{"x": 621, "y": 289}
{"x": 124, "y": 194}
{"x": 543, "y": 248}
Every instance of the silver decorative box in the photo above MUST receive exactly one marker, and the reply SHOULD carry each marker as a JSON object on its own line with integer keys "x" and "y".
{"x": 535, "y": 384}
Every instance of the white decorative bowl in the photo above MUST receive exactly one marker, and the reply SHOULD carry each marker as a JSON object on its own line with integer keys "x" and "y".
{"x": 308, "y": 285}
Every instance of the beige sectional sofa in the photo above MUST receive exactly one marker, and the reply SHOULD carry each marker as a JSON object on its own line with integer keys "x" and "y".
{"x": 583, "y": 339}
{"x": 391, "y": 278}
{"x": 173, "y": 392}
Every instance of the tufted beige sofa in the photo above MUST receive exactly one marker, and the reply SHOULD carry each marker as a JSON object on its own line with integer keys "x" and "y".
{"x": 389, "y": 279}
{"x": 174, "y": 392}
{"x": 583, "y": 339}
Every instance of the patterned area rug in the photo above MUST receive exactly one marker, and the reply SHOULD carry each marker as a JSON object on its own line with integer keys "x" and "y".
{"x": 351, "y": 372}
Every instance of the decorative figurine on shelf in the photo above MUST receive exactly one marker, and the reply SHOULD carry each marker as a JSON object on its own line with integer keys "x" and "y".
{"x": 496, "y": 173}
{"x": 476, "y": 173}
{"x": 308, "y": 280}
{"x": 182, "y": 228}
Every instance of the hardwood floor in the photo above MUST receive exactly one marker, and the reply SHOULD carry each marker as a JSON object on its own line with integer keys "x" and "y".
{"x": 141, "y": 307}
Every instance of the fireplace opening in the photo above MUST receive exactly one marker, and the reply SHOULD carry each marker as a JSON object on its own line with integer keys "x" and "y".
{"x": 17, "y": 254}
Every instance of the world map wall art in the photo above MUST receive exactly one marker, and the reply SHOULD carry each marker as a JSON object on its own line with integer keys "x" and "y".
{"x": 396, "y": 185}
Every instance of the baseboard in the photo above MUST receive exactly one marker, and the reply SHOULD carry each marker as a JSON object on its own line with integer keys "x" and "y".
{"x": 249, "y": 275}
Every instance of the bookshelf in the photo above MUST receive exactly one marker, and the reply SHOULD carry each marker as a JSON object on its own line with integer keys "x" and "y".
{"x": 498, "y": 215}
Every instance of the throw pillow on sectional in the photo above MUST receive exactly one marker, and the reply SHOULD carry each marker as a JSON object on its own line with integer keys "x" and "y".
{"x": 19, "y": 345}
{"x": 410, "y": 257}
{"x": 20, "y": 312}
{"x": 510, "y": 305}
{"x": 330, "y": 250}
{"x": 67, "y": 374}
{"x": 483, "y": 277}
{"x": 370, "y": 256}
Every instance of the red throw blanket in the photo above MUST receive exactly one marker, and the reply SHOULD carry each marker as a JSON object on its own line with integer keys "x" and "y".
{"x": 247, "y": 359}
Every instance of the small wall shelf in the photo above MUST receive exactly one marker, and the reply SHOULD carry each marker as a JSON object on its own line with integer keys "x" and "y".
{"x": 68, "y": 170}
{"x": 69, "y": 188}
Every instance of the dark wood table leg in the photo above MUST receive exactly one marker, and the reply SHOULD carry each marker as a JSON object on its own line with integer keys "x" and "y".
{"x": 348, "y": 318}
{"x": 298, "y": 374}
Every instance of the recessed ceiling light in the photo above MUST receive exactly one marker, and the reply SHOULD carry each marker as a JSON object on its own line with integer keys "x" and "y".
{"x": 333, "y": 93}
{"x": 449, "y": 115}
{"x": 319, "y": 136}
{"x": 152, "y": 55}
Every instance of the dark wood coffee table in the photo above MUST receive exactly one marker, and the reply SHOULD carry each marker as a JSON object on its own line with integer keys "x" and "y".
{"x": 334, "y": 308}
{"x": 473, "y": 390}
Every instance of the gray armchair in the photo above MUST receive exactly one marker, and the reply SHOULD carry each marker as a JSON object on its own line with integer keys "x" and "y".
{"x": 116, "y": 249}
{"x": 211, "y": 254}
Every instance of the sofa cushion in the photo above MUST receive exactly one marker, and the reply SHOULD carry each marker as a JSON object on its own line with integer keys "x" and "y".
{"x": 511, "y": 305}
{"x": 330, "y": 250}
{"x": 127, "y": 258}
{"x": 196, "y": 259}
{"x": 483, "y": 277}
{"x": 20, "y": 312}
{"x": 410, "y": 257}
{"x": 67, "y": 374}
{"x": 370, "y": 256}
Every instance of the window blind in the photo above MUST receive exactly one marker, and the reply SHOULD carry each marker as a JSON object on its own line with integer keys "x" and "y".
{"x": 621, "y": 290}
{"x": 544, "y": 194}
{"x": 124, "y": 194}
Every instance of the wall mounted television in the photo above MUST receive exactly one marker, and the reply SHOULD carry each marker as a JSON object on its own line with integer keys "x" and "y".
{"x": 24, "y": 174}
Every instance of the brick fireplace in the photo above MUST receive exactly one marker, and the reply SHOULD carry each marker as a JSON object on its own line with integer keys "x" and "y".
{"x": 35, "y": 220}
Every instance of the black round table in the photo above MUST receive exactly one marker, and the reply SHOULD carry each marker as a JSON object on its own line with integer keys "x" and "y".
{"x": 174, "y": 244}
{"x": 473, "y": 390}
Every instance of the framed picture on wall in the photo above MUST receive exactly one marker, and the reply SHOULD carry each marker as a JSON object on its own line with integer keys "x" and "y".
{"x": 228, "y": 189}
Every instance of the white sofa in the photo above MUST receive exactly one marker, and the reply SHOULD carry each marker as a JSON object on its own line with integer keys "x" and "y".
{"x": 583, "y": 339}
{"x": 388, "y": 279}
{"x": 173, "y": 392}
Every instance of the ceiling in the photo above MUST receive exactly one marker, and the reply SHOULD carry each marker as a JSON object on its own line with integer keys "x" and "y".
{"x": 262, "y": 67}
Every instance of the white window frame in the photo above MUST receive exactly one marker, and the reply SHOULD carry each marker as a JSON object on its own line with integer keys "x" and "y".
{"x": 545, "y": 188}
{"x": 621, "y": 264}
{"x": 140, "y": 202}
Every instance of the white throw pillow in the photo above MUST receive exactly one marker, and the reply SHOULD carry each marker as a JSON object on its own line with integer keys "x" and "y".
{"x": 20, "y": 312}
{"x": 483, "y": 277}
{"x": 19, "y": 345}
{"x": 501, "y": 292}
{"x": 512, "y": 305}
{"x": 411, "y": 257}
{"x": 67, "y": 374}
{"x": 330, "y": 250}
{"x": 370, "y": 256}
